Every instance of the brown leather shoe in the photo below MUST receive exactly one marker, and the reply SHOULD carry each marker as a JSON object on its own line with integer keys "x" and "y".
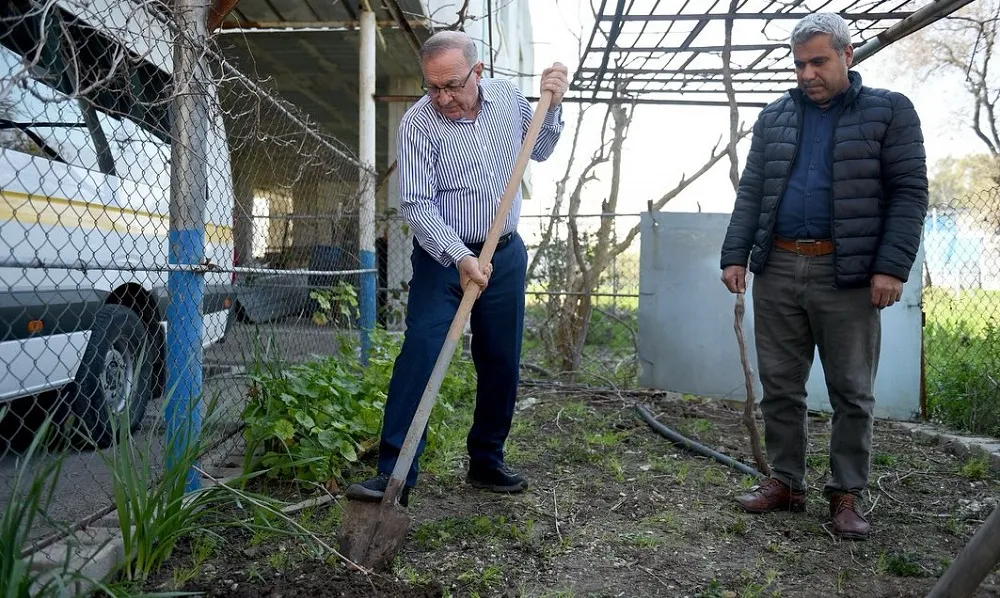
{"x": 848, "y": 520}
{"x": 772, "y": 495}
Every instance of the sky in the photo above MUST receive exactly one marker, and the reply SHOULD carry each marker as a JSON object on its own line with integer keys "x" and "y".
{"x": 666, "y": 141}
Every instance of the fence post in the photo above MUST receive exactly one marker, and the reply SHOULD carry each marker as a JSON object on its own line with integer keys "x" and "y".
{"x": 188, "y": 187}
{"x": 366, "y": 177}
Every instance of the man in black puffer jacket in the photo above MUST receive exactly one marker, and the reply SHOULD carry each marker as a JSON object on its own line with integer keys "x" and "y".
{"x": 828, "y": 214}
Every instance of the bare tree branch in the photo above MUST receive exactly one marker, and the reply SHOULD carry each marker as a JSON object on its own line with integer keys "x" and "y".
{"x": 734, "y": 111}
{"x": 561, "y": 184}
{"x": 684, "y": 183}
{"x": 734, "y": 176}
{"x": 961, "y": 44}
{"x": 459, "y": 24}
{"x": 622, "y": 118}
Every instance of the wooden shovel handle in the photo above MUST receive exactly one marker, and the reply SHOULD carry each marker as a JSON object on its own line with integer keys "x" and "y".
{"x": 974, "y": 563}
{"x": 471, "y": 293}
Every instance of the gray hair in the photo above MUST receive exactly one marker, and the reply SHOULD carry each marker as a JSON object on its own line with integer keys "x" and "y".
{"x": 829, "y": 23}
{"x": 449, "y": 40}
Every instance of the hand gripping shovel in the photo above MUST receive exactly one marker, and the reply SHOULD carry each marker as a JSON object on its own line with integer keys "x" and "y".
{"x": 372, "y": 533}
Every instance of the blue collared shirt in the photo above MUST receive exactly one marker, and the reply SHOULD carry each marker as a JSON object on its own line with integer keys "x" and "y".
{"x": 805, "y": 210}
{"x": 452, "y": 174}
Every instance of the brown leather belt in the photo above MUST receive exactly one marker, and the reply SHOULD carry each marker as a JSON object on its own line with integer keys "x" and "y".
{"x": 809, "y": 247}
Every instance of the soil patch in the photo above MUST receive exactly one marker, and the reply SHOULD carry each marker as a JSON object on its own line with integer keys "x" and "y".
{"x": 239, "y": 564}
{"x": 616, "y": 510}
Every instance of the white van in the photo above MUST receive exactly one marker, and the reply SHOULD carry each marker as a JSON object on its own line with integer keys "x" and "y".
{"x": 84, "y": 207}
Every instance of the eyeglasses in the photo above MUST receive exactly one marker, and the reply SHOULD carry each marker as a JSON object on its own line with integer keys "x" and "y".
{"x": 451, "y": 89}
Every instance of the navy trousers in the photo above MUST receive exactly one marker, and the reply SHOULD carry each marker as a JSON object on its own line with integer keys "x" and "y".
{"x": 497, "y": 323}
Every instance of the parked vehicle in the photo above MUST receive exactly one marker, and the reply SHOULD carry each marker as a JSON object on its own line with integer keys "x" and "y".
{"x": 85, "y": 174}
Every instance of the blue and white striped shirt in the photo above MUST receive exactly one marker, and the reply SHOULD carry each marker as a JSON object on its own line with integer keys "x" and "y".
{"x": 452, "y": 174}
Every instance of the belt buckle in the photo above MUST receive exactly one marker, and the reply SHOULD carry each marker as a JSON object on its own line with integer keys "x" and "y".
{"x": 801, "y": 246}
{"x": 805, "y": 245}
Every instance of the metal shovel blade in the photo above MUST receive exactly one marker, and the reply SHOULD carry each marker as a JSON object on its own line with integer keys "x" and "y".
{"x": 372, "y": 533}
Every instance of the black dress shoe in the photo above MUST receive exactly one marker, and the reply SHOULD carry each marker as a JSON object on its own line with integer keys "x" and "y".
{"x": 501, "y": 479}
{"x": 372, "y": 490}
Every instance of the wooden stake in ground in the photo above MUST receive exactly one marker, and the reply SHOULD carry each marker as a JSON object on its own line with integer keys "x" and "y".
{"x": 748, "y": 418}
{"x": 734, "y": 177}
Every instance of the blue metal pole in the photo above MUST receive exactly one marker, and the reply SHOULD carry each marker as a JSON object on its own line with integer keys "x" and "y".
{"x": 188, "y": 190}
{"x": 366, "y": 146}
{"x": 366, "y": 303}
{"x": 184, "y": 350}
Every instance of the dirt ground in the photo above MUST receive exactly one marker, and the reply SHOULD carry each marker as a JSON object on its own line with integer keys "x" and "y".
{"x": 616, "y": 510}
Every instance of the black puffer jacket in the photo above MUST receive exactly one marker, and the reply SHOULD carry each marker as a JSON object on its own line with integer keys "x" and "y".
{"x": 878, "y": 191}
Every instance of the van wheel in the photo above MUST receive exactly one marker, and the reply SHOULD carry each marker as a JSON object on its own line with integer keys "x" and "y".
{"x": 116, "y": 375}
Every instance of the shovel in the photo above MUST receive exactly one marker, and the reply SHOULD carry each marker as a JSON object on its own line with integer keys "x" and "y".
{"x": 371, "y": 533}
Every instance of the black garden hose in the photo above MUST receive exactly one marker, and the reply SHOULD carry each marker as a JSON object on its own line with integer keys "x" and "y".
{"x": 691, "y": 445}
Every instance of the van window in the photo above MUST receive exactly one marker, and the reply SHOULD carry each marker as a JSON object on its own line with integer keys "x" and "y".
{"x": 37, "y": 119}
{"x": 139, "y": 155}
{"x": 121, "y": 127}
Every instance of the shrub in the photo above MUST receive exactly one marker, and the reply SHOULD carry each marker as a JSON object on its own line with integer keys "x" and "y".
{"x": 313, "y": 419}
{"x": 962, "y": 350}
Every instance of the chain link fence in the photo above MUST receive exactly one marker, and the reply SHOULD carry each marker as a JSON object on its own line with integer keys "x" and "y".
{"x": 580, "y": 321}
{"x": 162, "y": 233}
{"x": 167, "y": 234}
{"x": 962, "y": 309}
{"x": 155, "y": 252}
{"x": 583, "y": 298}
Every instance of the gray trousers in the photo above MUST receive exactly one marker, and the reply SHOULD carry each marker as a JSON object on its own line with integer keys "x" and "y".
{"x": 797, "y": 309}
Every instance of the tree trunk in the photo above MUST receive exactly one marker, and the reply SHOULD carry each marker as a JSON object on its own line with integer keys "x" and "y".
{"x": 571, "y": 330}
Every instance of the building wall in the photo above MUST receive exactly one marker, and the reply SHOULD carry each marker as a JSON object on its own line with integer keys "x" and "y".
{"x": 513, "y": 36}
{"x": 686, "y": 342}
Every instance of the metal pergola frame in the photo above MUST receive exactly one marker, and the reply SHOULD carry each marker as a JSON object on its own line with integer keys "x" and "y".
{"x": 671, "y": 51}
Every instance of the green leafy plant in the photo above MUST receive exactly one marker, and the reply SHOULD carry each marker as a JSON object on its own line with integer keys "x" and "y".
{"x": 310, "y": 419}
{"x": 36, "y": 477}
{"x": 155, "y": 509}
{"x": 900, "y": 564}
{"x": 313, "y": 419}
{"x": 977, "y": 468}
{"x": 154, "y": 513}
{"x": 337, "y": 304}
{"x": 17, "y": 578}
{"x": 962, "y": 345}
